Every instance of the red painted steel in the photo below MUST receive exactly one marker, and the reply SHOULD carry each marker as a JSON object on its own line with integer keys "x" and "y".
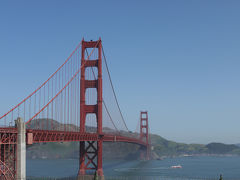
{"x": 94, "y": 163}
{"x": 6, "y": 172}
{"x": 144, "y": 132}
{"x": 63, "y": 136}
{"x": 8, "y": 155}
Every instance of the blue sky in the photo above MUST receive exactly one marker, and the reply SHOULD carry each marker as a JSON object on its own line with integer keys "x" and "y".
{"x": 177, "y": 59}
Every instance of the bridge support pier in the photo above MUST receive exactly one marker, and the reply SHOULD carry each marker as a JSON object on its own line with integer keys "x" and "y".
{"x": 91, "y": 160}
{"x": 21, "y": 149}
{"x": 90, "y": 177}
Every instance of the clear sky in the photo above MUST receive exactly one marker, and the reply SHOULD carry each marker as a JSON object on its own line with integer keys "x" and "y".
{"x": 180, "y": 60}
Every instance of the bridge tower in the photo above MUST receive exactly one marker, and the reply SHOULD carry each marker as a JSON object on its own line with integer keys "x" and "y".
{"x": 144, "y": 134}
{"x": 91, "y": 151}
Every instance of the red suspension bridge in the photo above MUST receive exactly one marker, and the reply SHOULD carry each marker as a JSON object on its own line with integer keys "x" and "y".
{"x": 76, "y": 103}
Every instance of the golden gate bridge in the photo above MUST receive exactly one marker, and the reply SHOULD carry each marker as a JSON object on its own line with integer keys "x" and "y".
{"x": 76, "y": 103}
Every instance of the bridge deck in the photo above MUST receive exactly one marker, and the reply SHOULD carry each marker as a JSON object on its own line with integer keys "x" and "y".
{"x": 38, "y": 136}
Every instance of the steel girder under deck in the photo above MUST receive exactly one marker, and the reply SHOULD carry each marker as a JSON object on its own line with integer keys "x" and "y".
{"x": 8, "y": 156}
{"x": 37, "y": 136}
{"x": 8, "y": 145}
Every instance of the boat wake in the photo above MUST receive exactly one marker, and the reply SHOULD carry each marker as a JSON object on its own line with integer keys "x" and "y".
{"x": 140, "y": 169}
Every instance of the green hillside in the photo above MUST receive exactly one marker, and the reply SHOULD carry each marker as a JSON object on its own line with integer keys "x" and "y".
{"x": 219, "y": 148}
{"x": 163, "y": 147}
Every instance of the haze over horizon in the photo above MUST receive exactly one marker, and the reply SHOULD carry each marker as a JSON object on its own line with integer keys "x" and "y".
{"x": 177, "y": 59}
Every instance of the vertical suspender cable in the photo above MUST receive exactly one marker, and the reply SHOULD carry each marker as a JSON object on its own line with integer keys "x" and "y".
{"x": 113, "y": 89}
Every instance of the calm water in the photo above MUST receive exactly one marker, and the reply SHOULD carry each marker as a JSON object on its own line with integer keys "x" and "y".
{"x": 193, "y": 168}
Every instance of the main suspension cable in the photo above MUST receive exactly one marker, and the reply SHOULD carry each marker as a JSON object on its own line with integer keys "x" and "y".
{"x": 105, "y": 60}
{"x": 104, "y": 101}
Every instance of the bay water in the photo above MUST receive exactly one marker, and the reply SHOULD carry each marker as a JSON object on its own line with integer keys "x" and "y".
{"x": 195, "y": 167}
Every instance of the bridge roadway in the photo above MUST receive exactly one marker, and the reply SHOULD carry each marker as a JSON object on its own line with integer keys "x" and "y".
{"x": 8, "y": 135}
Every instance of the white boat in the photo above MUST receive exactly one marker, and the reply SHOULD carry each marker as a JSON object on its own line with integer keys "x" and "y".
{"x": 176, "y": 167}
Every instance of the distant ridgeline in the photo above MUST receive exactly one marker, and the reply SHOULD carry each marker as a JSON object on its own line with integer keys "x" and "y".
{"x": 117, "y": 150}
